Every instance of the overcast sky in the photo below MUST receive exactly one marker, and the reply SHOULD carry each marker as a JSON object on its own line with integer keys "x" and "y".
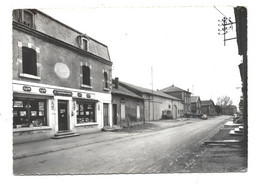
{"x": 181, "y": 44}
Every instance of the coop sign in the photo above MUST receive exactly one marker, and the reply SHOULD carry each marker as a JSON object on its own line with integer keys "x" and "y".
{"x": 62, "y": 93}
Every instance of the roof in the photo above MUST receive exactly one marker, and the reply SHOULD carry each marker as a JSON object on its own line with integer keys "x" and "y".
{"x": 123, "y": 91}
{"x": 173, "y": 88}
{"x": 207, "y": 102}
{"x": 149, "y": 91}
{"x": 194, "y": 99}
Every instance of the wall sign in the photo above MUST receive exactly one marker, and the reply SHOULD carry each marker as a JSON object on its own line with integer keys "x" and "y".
{"x": 42, "y": 90}
{"x": 62, "y": 92}
{"x": 27, "y": 88}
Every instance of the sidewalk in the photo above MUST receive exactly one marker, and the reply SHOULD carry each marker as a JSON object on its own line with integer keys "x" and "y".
{"x": 51, "y": 145}
{"x": 221, "y": 153}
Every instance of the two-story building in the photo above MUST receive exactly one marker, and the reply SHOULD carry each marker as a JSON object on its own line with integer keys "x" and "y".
{"x": 183, "y": 95}
{"x": 61, "y": 79}
{"x": 155, "y": 102}
{"x": 195, "y": 105}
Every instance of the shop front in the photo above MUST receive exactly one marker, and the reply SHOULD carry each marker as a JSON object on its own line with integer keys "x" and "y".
{"x": 42, "y": 111}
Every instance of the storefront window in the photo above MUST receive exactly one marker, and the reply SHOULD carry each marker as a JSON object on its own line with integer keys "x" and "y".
{"x": 85, "y": 112}
{"x": 29, "y": 112}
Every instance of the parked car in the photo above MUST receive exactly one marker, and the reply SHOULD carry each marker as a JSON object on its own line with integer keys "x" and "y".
{"x": 204, "y": 116}
{"x": 167, "y": 114}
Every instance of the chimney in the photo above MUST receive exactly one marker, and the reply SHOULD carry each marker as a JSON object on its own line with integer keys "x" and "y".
{"x": 188, "y": 89}
{"x": 116, "y": 82}
{"x": 173, "y": 85}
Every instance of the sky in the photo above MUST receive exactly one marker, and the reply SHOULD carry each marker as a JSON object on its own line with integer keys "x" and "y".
{"x": 171, "y": 45}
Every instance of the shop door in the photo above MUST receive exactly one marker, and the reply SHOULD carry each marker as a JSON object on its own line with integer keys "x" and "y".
{"x": 62, "y": 115}
{"x": 114, "y": 114}
{"x": 105, "y": 113}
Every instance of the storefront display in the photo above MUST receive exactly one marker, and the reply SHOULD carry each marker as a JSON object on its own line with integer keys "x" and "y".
{"x": 29, "y": 112}
{"x": 85, "y": 112}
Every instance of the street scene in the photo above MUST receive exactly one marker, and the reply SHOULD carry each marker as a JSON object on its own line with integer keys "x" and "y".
{"x": 129, "y": 96}
{"x": 160, "y": 147}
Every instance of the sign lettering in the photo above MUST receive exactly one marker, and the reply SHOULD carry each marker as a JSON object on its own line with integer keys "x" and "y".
{"x": 62, "y": 93}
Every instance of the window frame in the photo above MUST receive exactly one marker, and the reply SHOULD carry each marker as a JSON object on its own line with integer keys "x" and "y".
{"x": 84, "y": 47}
{"x": 86, "y": 75}
{"x": 29, "y": 63}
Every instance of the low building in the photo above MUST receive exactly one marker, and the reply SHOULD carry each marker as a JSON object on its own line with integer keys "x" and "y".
{"x": 183, "y": 95}
{"x": 229, "y": 110}
{"x": 208, "y": 107}
{"x": 61, "y": 79}
{"x": 195, "y": 105}
{"x": 155, "y": 102}
{"x": 128, "y": 107}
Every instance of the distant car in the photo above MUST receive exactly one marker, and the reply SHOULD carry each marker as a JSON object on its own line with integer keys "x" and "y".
{"x": 204, "y": 116}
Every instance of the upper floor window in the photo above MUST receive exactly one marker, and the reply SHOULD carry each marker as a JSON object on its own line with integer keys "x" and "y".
{"x": 24, "y": 16}
{"x": 29, "y": 61}
{"x": 85, "y": 44}
{"x": 106, "y": 79}
{"x": 86, "y": 75}
{"x": 28, "y": 18}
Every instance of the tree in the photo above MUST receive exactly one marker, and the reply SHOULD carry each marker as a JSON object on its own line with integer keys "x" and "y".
{"x": 224, "y": 101}
{"x": 218, "y": 109}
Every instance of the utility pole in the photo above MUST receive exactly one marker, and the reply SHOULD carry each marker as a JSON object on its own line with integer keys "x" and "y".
{"x": 225, "y": 28}
{"x": 152, "y": 89}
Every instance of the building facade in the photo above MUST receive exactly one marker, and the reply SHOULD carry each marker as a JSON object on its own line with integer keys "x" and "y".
{"x": 195, "y": 105}
{"x": 183, "y": 95}
{"x": 128, "y": 108}
{"x": 61, "y": 78}
{"x": 155, "y": 102}
{"x": 208, "y": 107}
{"x": 229, "y": 110}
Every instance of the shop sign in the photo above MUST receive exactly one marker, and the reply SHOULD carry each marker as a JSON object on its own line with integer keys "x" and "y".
{"x": 88, "y": 95}
{"x": 79, "y": 94}
{"x": 42, "y": 90}
{"x": 27, "y": 88}
{"x": 62, "y": 93}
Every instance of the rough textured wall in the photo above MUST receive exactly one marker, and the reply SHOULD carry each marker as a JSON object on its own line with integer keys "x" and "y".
{"x": 59, "y": 66}
{"x": 130, "y": 111}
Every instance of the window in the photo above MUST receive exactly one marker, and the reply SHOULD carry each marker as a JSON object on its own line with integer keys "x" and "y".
{"x": 138, "y": 111}
{"x": 106, "y": 79}
{"x": 122, "y": 111}
{"x": 85, "y": 44}
{"x": 29, "y": 112}
{"x": 86, "y": 75}
{"x": 29, "y": 61}
{"x": 24, "y": 16}
{"x": 28, "y": 18}
{"x": 85, "y": 112}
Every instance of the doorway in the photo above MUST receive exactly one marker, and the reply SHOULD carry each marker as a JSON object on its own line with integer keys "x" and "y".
{"x": 105, "y": 114}
{"x": 63, "y": 115}
{"x": 114, "y": 114}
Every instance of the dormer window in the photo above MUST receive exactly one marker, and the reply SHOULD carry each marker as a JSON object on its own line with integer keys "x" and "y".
{"x": 85, "y": 44}
{"x": 24, "y": 16}
{"x": 28, "y": 18}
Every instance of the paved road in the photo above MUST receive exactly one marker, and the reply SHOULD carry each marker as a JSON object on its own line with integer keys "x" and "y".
{"x": 165, "y": 151}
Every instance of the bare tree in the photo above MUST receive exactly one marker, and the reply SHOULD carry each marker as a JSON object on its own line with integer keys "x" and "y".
{"x": 224, "y": 101}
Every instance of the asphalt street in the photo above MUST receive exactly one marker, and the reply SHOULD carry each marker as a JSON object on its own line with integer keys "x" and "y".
{"x": 169, "y": 150}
